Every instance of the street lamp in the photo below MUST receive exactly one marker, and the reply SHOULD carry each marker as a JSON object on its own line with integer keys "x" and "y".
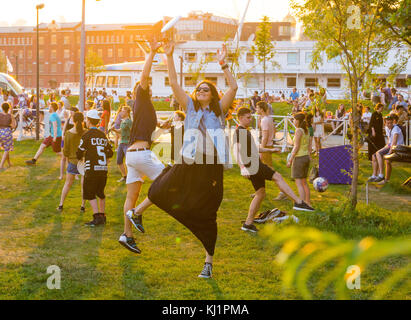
{"x": 83, "y": 57}
{"x": 38, "y": 7}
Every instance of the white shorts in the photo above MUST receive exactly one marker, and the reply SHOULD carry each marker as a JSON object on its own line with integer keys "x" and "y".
{"x": 142, "y": 163}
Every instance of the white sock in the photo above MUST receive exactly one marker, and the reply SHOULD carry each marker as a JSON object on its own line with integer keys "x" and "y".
{"x": 380, "y": 176}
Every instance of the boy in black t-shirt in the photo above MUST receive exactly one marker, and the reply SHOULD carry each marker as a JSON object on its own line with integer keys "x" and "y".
{"x": 95, "y": 149}
{"x": 246, "y": 153}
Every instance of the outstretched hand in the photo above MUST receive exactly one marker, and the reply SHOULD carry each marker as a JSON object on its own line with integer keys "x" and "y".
{"x": 154, "y": 45}
{"x": 221, "y": 55}
{"x": 169, "y": 48}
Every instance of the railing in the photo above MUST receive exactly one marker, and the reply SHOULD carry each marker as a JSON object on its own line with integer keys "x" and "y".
{"x": 284, "y": 125}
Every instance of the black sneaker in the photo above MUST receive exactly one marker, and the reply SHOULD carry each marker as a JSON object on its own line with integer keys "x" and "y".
{"x": 129, "y": 243}
{"x": 31, "y": 162}
{"x": 267, "y": 215}
{"x": 60, "y": 208}
{"x": 207, "y": 272}
{"x": 303, "y": 207}
{"x": 378, "y": 179}
{"x": 97, "y": 220}
{"x": 250, "y": 228}
{"x": 136, "y": 220}
{"x": 103, "y": 218}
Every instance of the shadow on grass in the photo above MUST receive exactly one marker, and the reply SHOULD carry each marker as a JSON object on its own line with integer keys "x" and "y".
{"x": 134, "y": 286}
{"x": 79, "y": 274}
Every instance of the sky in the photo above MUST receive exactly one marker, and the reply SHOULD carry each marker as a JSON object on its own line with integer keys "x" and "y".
{"x": 23, "y": 12}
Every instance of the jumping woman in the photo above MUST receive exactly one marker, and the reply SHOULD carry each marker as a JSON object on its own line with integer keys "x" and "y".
{"x": 192, "y": 190}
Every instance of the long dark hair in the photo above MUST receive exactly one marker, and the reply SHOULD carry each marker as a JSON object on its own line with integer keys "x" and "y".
{"x": 215, "y": 98}
{"x": 78, "y": 119}
{"x": 302, "y": 121}
{"x": 106, "y": 106}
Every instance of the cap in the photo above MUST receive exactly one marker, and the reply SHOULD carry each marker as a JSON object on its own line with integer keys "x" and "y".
{"x": 93, "y": 114}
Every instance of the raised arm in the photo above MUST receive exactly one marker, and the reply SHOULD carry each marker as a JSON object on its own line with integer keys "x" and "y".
{"x": 229, "y": 96}
{"x": 178, "y": 92}
{"x": 145, "y": 75}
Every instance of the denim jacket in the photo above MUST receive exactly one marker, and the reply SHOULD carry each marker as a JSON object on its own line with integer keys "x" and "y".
{"x": 202, "y": 122}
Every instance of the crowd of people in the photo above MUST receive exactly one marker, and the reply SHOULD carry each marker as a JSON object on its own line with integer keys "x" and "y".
{"x": 191, "y": 189}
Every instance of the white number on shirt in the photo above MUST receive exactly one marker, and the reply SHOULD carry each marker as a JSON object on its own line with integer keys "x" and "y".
{"x": 101, "y": 153}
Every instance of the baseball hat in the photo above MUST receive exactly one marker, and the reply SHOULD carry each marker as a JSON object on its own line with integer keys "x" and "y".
{"x": 93, "y": 114}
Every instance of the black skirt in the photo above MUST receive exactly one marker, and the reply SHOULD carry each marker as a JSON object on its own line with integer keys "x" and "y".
{"x": 192, "y": 194}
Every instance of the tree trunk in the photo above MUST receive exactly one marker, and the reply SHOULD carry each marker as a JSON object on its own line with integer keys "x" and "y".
{"x": 264, "y": 75}
{"x": 355, "y": 121}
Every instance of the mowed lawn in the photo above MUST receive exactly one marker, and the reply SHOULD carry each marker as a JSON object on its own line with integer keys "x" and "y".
{"x": 34, "y": 236}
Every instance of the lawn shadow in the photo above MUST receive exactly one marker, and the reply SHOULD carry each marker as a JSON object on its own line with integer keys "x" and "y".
{"x": 79, "y": 274}
{"x": 133, "y": 282}
{"x": 216, "y": 289}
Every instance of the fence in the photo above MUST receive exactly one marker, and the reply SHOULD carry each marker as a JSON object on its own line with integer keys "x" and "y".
{"x": 284, "y": 125}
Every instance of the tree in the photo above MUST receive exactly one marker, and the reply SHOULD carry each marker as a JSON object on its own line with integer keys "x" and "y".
{"x": 263, "y": 47}
{"x": 348, "y": 30}
{"x": 196, "y": 71}
{"x": 93, "y": 64}
{"x": 395, "y": 16}
{"x": 3, "y": 62}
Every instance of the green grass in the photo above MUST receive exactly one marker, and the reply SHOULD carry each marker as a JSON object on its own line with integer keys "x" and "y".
{"x": 33, "y": 236}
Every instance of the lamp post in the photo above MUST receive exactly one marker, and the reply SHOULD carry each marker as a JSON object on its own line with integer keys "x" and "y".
{"x": 38, "y": 7}
{"x": 83, "y": 58}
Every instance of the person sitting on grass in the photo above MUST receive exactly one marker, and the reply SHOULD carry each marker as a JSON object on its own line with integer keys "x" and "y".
{"x": 252, "y": 168}
{"x": 55, "y": 137}
{"x": 395, "y": 137}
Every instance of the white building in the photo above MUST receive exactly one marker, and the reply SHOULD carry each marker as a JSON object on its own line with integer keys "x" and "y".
{"x": 294, "y": 70}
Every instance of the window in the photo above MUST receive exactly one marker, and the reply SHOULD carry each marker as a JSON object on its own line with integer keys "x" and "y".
{"x": 131, "y": 52}
{"x": 211, "y": 57}
{"x": 401, "y": 83}
{"x": 112, "y": 82}
{"x": 41, "y": 40}
{"x": 212, "y": 79}
{"x": 66, "y": 53}
{"x": 333, "y": 82}
{"x": 292, "y": 58}
{"x": 66, "y": 40}
{"x": 250, "y": 57}
{"x": 100, "y": 53}
{"x": 41, "y": 54}
{"x": 311, "y": 82}
{"x": 189, "y": 82}
{"x": 291, "y": 82}
{"x": 53, "y": 54}
{"x": 101, "y": 81}
{"x": 53, "y": 39}
{"x": 21, "y": 54}
{"x": 41, "y": 68}
{"x": 166, "y": 82}
{"x": 29, "y": 54}
{"x": 190, "y": 56}
{"x": 284, "y": 30}
{"x": 53, "y": 68}
{"x": 112, "y": 39}
{"x": 230, "y": 57}
{"x": 90, "y": 81}
{"x": 125, "y": 82}
{"x": 110, "y": 53}
{"x": 308, "y": 57}
{"x": 120, "y": 52}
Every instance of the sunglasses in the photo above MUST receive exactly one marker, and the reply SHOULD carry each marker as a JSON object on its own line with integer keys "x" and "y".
{"x": 203, "y": 89}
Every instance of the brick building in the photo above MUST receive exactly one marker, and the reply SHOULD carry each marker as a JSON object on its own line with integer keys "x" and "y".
{"x": 59, "y": 44}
